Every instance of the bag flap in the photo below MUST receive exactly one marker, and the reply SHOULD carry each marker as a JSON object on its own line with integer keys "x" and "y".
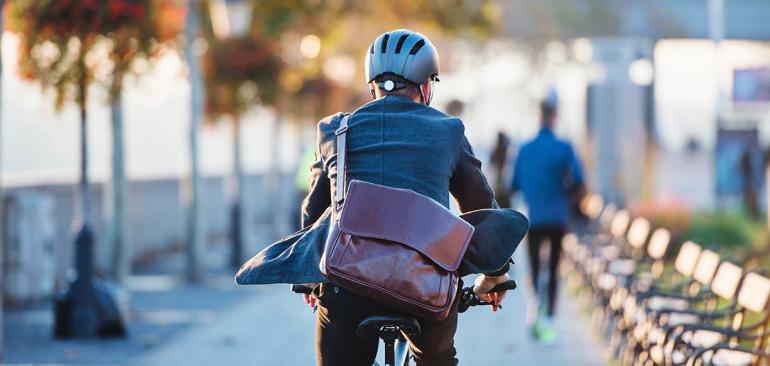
{"x": 407, "y": 217}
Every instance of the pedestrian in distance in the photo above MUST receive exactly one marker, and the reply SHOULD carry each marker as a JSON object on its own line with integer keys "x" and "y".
{"x": 547, "y": 173}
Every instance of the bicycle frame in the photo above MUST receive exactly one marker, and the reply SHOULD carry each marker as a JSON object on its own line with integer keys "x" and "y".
{"x": 396, "y": 347}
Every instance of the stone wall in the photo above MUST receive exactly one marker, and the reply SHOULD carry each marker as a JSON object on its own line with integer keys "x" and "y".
{"x": 156, "y": 224}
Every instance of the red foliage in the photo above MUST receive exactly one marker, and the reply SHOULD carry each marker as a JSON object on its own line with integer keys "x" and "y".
{"x": 83, "y": 18}
{"x": 135, "y": 27}
{"x": 232, "y": 62}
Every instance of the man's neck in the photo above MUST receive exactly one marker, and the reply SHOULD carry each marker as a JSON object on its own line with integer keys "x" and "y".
{"x": 416, "y": 100}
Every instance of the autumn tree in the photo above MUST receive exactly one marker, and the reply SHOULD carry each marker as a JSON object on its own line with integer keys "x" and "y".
{"x": 68, "y": 46}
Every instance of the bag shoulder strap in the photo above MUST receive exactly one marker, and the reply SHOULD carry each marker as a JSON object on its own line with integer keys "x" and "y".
{"x": 341, "y": 160}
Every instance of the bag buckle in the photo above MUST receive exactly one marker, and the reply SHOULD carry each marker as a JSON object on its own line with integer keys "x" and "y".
{"x": 338, "y": 204}
{"x": 341, "y": 130}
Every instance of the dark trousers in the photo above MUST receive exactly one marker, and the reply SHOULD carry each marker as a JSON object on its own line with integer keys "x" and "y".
{"x": 536, "y": 236}
{"x": 339, "y": 313}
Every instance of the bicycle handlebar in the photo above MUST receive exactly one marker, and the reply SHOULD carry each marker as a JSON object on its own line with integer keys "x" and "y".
{"x": 505, "y": 286}
{"x": 301, "y": 289}
{"x": 467, "y": 299}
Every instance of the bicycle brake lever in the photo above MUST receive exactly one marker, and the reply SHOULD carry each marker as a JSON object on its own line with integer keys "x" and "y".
{"x": 483, "y": 303}
{"x": 468, "y": 299}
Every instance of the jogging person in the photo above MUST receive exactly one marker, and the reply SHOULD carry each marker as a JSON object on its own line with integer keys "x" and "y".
{"x": 396, "y": 140}
{"x": 546, "y": 172}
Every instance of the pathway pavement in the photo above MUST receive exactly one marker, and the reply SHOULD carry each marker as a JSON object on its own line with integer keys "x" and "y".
{"x": 158, "y": 308}
{"x": 218, "y": 323}
{"x": 275, "y": 327}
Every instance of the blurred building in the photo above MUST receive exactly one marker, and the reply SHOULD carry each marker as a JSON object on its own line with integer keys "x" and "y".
{"x": 658, "y": 89}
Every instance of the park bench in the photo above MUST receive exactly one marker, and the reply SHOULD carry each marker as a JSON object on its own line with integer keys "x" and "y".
{"x": 694, "y": 270}
{"x": 641, "y": 278}
{"x": 739, "y": 344}
{"x": 726, "y": 337}
{"x": 648, "y": 293}
{"x": 598, "y": 249}
{"x": 621, "y": 270}
{"x": 587, "y": 254}
{"x": 701, "y": 310}
{"x": 666, "y": 321}
{"x": 611, "y": 265}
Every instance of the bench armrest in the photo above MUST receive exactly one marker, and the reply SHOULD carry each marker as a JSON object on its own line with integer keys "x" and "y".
{"x": 690, "y": 328}
{"x": 701, "y": 352}
{"x": 671, "y": 295}
{"x": 701, "y": 314}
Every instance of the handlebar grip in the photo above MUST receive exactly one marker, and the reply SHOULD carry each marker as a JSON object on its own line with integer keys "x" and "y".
{"x": 507, "y": 285}
{"x": 301, "y": 289}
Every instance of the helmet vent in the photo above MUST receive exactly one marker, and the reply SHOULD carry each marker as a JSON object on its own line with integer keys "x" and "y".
{"x": 385, "y": 43}
{"x": 371, "y": 49}
{"x": 417, "y": 47}
{"x": 401, "y": 41}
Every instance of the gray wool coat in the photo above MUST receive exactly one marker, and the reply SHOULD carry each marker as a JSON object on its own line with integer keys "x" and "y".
{"x": 395, "y": 142}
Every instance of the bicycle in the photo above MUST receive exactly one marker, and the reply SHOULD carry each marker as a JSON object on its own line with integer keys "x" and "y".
{"x": 391, "y": 328}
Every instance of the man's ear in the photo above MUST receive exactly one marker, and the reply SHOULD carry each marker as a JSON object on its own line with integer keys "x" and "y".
{"x": 371, "y": 89}
{"x": 425, "y": 92}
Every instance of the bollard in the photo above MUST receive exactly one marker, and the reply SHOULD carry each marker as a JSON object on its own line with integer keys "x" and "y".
{"x": 87, "y": 309}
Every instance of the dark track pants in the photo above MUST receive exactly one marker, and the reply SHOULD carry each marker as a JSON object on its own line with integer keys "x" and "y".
{"x": 536, "y": 236}
{"x": 340, "y": 311}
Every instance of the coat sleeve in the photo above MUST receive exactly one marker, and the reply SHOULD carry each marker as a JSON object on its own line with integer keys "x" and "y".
{"x": 575, "y": 173}
{"x": 319, "y": 194}
{"x": 470, "y": 188}
{"x": 517, "y": 167}
{"x": 468, "y": 184}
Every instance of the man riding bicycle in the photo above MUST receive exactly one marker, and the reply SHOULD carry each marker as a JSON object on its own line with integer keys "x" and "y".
{"x": 396, "y": 140}
{"x": 399, "y": 141}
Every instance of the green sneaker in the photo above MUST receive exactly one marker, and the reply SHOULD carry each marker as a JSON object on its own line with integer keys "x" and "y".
{"x": 534, "y": 330}
{"x": 546, "y": 331}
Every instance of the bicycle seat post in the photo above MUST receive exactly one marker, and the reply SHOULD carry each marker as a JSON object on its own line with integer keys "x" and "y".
{"x": 389, "y": 328}
{"x": 389, "y": 334}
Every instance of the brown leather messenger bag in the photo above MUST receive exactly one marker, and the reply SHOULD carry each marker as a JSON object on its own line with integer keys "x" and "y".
{"x": 393, "y": 245}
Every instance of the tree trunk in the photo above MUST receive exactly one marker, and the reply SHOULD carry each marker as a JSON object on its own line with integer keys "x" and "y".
{"x": 767, "y": 195}
{"x": 650, "y": 145}
{"x": 236, "y": 224}
{"x": 273, "y": 180}
{"x": 2, "y": 201}
{"x": 195, "y": 238}
{"x": 85, "y": 310}
{"x": 85, "y": 218}
{"x": 121, "y": 262}
{"x": 85, "y": 250}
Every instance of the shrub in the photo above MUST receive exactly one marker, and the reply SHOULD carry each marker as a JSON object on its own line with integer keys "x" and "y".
{"x": 725, "y": 230}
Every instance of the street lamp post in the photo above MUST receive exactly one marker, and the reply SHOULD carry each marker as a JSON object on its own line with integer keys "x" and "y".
{"x": 230, "y": 18}
{"x": 87, "y": 309}
{"x": 194, "y": 47}
{"x": 2, "y": 242}
{"x": 716, "y": 32}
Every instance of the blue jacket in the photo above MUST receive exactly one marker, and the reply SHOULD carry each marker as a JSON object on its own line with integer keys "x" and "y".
{"x": 546, "y": 170}
{"x": 395, "y": 142}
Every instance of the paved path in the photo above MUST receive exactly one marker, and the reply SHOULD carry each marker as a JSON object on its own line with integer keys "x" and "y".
{"x": 159, "y": 308}
{"x": 222, "y": 324}
{"x": 274, "y": 327}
